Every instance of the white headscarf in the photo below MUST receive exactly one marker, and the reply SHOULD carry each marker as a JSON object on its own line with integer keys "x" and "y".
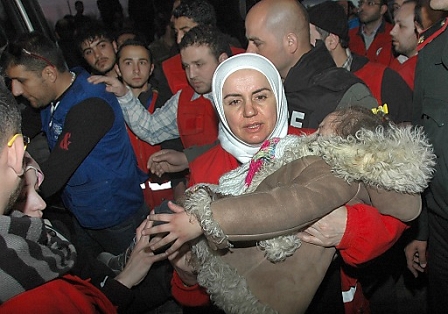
{"x": 235, "y": 146}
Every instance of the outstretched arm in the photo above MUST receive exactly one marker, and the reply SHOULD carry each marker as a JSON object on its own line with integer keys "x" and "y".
{"x": 167, "y": 160}
{"x": 152, "y": 128}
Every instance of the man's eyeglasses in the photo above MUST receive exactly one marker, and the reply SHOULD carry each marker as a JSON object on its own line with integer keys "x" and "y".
{"x": 17, "y": 52}
{"x": 26, "y": 140}
{"x": 368, "y": 3}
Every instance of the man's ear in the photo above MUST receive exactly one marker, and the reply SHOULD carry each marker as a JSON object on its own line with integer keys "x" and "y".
{"x": 15, "y": 156}
{"x": 114, "y": 44}
{"x": 418, "y": 28}
{"x": 117, "y": 69}
{"x": 223, "y": 56}
{"x": 50, "y": 73}
{"x": 331, "y": 42}
{"x": 383, "y": 9}
{"x": 151, "y": 69}
{"x": 291, "y": 42}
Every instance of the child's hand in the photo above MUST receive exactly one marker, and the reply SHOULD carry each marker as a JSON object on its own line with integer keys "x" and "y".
{"x": 180, "y": 228}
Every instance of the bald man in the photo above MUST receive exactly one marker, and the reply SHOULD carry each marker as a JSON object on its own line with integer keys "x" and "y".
{"x": 314, "y": 86}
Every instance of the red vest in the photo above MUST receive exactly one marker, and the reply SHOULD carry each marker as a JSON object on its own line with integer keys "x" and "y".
{"x": 381, "y": 48}
{"x": 406, "y": 70}
{"x": 175, "y": 74}
{"x": 143, "y": 151}
{"x": 372, "y": 74}
{"x": 196, "y": 119}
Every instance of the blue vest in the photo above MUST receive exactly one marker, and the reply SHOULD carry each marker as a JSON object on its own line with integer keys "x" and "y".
{"x": 105, "y": 189}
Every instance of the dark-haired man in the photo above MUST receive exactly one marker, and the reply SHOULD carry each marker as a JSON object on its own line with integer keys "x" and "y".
{"x": 135, "y": 66}
{"x": 189, "y": 114}
{"x": 372, "y": 38}
{"x": 90, "y": 150}
{"x": 98, "y": 48}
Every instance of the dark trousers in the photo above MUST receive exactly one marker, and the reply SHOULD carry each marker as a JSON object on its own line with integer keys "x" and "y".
{"x": 437, "y": 264}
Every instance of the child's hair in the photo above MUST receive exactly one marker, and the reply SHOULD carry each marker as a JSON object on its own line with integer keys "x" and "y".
{"x": 351, "y": 119}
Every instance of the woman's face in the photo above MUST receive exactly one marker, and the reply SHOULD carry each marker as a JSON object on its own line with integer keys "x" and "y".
{"x": 29, "y": 202}
{"x": 250, "y": 106}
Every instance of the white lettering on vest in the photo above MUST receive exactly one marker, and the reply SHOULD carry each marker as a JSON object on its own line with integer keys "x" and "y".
{"x": 297, "y": 119}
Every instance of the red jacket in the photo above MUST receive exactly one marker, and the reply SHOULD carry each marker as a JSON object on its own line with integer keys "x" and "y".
{"x": 68, "y": 294}
{"x": 381, "y": 48}
{"x": 143, "y": 151}
{"x": 406, "y": 70}
{"x": 196, "y": 119}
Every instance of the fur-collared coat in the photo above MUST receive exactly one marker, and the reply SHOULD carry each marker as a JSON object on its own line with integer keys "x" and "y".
{"x": 251, "y": 261}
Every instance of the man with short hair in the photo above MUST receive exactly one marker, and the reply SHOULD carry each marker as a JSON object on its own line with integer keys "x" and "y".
{"x": 134, "y": 67}
{"x": 416, "y": 18}
{"x": 327, "y": 24}
{"x": 185, "y": 16}
{"x": 90, "y": 150}
{"x": 189, "y": 114}
{"x": 372, "y": 38}
{"x": 314, "y": 86}
{"x": 35, "y": 262}
{"x": 429, "y": 251}
{"x": 404, "y": 40}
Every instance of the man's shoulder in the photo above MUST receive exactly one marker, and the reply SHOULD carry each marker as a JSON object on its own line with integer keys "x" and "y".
{"x": 337, "y": 79}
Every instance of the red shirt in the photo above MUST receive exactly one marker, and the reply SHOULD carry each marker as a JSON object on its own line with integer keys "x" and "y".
{"x": 406, "y": 70}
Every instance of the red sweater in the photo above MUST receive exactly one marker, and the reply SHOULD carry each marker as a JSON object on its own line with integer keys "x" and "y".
{"x": 68, "y": 294}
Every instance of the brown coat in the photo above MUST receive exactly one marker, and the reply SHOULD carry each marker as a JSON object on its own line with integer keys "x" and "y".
{"x": 244, "y": 279}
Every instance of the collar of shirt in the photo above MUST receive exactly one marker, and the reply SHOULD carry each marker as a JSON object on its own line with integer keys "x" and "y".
{"x": 348, "y": 63}
{"x": 207, "y": 96}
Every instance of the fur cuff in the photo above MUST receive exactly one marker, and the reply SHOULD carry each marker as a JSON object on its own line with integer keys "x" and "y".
{"x": 198, "y": 204}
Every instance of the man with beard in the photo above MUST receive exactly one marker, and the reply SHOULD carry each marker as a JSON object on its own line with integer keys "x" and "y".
{"x": 372, "y": 38}
{"x": 98, "y": 47}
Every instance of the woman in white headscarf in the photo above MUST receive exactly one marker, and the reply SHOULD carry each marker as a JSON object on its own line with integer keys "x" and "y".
{"x": 253, "y": 111}
{"x": 259, "y": 267}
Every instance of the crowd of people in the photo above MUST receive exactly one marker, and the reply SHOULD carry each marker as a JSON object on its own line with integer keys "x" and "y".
{"x": 201, "y": 175}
